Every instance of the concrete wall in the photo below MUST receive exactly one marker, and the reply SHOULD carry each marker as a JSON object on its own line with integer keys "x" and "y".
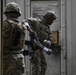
{"x": 71, "y": 36}
{"x": 63, "y": 40}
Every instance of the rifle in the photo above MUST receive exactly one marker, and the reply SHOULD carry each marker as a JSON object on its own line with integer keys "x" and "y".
{"x": 35, "y": 44}
{"x": 34, "y": 41}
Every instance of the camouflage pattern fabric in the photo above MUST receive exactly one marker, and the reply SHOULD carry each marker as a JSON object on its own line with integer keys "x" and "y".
{"x": 13, "y": 61}
{"x": 39, "y": 64}
{"x": 12, "y": 7}
{"x": 12, "y": 64}
{"x": 13, "y": 34}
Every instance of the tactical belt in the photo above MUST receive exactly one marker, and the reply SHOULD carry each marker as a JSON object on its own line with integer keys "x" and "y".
{"x": 12, "y": 51}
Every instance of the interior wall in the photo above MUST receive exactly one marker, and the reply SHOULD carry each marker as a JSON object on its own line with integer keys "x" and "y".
{"x": 71, "y": 36}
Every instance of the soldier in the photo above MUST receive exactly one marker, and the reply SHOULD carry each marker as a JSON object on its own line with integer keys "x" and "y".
{"x": 13, "y": 41}
{"x": 42, "y": 28}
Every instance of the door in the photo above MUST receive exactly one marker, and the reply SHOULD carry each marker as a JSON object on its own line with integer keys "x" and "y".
{"x": 37, "y": 10}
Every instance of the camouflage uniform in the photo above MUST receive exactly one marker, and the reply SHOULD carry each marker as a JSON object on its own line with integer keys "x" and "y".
{"x": 39, "y": 64}
{"x": 13, "y": 40}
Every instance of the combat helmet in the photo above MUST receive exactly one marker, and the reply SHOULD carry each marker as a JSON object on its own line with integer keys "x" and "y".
{"x": 12, "y": 7}
{"x": 50, "y": 14}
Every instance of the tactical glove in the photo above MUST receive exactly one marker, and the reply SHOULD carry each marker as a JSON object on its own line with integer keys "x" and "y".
{"x": 47, "y": 50}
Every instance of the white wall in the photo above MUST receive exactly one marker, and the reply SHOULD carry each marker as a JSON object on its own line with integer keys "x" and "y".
{"x": 71, "y": 36}
{"x": 63, "y": 40}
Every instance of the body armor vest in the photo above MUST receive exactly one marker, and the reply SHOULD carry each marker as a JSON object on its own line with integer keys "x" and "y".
{"x": 13, "y": 35}
{"x": 42, "y": 31}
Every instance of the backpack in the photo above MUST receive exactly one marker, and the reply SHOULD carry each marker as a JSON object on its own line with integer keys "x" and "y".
{"x": 13, "y": 35}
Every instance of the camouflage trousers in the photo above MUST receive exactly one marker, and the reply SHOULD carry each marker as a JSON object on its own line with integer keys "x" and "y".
{"x": 13, "y": 64}
{"x": 38, "y": 63}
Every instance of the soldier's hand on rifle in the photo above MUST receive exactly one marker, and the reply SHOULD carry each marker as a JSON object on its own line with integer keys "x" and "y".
{"x": 47, "y": 43}
{"x": 47, "y": 50}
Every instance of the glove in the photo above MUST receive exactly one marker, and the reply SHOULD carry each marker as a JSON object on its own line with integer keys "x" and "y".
{"x": 47, "y": 43}
{"x": 47, "y": 50}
